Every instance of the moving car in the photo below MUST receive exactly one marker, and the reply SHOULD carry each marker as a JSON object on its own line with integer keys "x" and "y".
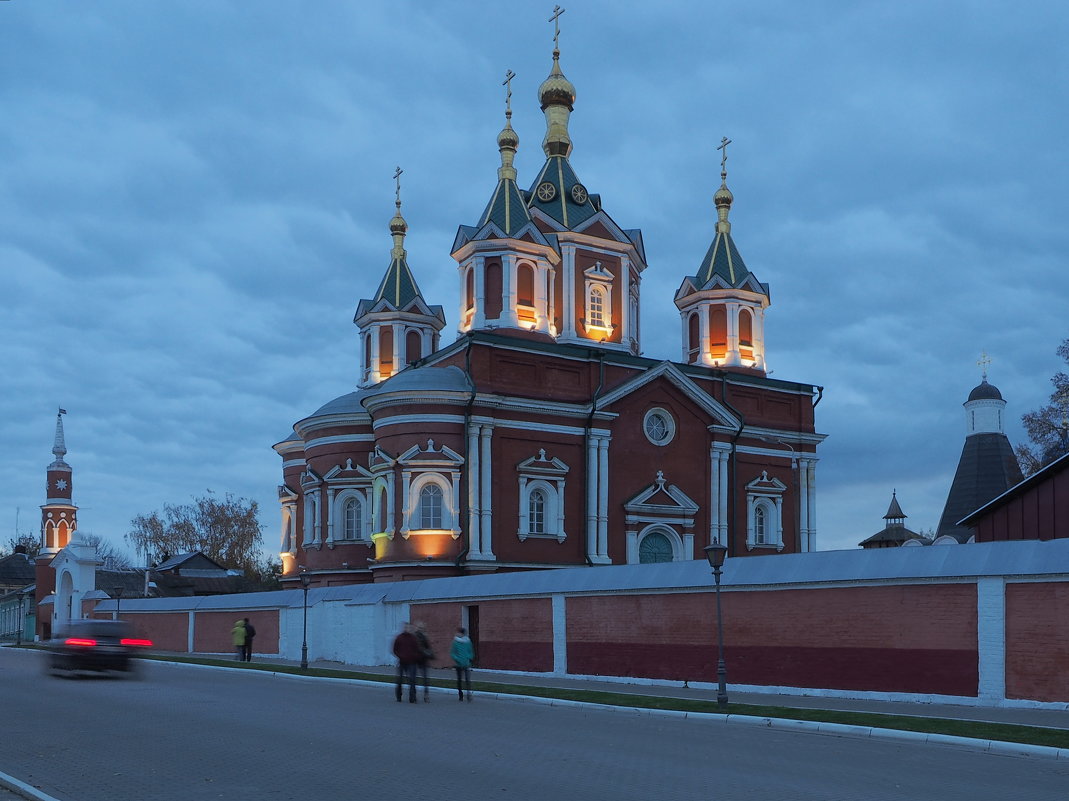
{"x": 95, "y": 645}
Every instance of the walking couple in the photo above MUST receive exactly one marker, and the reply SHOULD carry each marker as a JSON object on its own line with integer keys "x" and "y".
{"x": 413, "y": 650}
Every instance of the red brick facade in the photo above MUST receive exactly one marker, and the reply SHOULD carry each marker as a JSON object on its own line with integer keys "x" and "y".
{"x": 1037, "y": 641}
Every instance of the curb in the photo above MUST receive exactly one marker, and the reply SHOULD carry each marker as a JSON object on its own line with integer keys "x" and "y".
{"x": 23, "y": 789}
{"x": 998, "y": 747}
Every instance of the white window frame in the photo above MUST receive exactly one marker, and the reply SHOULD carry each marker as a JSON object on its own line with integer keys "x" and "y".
{"x": 545, "y": 474}
{"x": 670, "y": 421}
{"x": 341, "y": 500}
{"x": 766, "y": 494}
{"x": 413, "y": 514}
{"x": 600, "y": 280}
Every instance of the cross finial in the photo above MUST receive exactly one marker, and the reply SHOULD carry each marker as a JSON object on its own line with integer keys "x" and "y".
{"x": 555, "y": 19}
{"x": 397, "y": 180}
{"x": 723, "y": 147}
{"x": 983, "y": 362}
{"x": 507, "y": 83}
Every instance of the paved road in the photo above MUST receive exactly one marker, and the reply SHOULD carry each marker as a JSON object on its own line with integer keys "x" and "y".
{"x": 192, "y": 733}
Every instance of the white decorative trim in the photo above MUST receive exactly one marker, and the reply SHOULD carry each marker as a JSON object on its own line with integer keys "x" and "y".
{"x": 547, "y": 475}
{"x": 338, "y": 439}
{"x": 405, "y": 419}
{"x": 293, "y": 463}
{"x": 670, "y": 425}
{"x": 764, "y": 498}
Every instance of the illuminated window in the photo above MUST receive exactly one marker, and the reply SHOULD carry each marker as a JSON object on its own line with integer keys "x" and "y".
{"x": 745, "y": 328}
{"x": 430, "y": 507}
{"x": 596, "y": 310}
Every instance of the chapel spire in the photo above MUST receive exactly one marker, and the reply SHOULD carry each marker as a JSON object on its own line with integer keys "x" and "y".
{"x": 59, "y": 448}
{"x": 397, "y": 326}
{"x": 59, "y": 515}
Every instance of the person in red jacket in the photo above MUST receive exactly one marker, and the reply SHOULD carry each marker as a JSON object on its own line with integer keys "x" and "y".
{"x": 406, "y": 649}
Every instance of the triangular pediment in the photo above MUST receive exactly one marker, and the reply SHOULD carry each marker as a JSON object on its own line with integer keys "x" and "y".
{"x": 661, "y": 498}
{"x": 286, "y": 493}
{"x": 603, "y": 226}
{"x": 309, "y": 479}
{"x": 430, "y": 455}
{"x": 347, "y": 471}
{"x": 669, "y": 372}
{"x": 541, "y": 464}
{"x": 765, "y": 484}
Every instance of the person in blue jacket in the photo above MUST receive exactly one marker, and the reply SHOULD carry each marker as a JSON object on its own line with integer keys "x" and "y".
{"x": 463, "y": 653}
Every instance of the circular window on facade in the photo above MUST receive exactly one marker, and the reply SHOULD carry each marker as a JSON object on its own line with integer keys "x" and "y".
{"x": 659, "y": 426}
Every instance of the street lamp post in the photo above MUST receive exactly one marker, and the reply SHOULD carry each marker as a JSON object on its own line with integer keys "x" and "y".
{"x": 118, "y": 596}
{"x": 715, "y": 553}
{"x": 305, "y": 581}
{"x": 21, "y": 621}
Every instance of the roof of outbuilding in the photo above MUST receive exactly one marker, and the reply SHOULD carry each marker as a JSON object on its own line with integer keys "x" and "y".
{"x": 986, "y": 469}
{"x": 16, "y": 569}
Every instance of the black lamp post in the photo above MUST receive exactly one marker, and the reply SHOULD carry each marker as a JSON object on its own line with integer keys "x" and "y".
{"x": 715, "y": 553}
{"x": 305, "y": 581}
{"x": 118, "y": 596}
{"x": 21, "y": 621}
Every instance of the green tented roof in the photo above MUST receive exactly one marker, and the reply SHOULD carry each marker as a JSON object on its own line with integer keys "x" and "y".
{"x": 398, "y": 285}
{"x": 506, "y": 209}
{"x": 562, "y": 207}
{"x": 722, "y": 259}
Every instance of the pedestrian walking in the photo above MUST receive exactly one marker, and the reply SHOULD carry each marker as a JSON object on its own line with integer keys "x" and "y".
{"x": 463, "y": 653}
{"x": 237, "y": 637}
{"x": 426, "y": 655}
{"x": 406, "y": 649}
{"x": 250, "y": 632}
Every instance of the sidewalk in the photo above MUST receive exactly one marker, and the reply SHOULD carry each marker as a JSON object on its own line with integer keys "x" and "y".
{"x": 1051, "y": 718}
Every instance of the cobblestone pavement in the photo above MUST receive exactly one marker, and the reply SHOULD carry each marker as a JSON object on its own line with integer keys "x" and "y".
{"x": 195, "y": 733}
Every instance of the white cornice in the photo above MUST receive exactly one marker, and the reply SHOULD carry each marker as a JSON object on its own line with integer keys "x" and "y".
{"x": 337, "y": 439}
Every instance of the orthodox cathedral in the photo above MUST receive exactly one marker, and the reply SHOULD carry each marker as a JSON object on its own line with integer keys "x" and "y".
{"x": 541, "y": 436}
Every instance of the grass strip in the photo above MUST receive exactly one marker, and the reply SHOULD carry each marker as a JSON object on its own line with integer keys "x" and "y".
{"x": 981, "y": 730}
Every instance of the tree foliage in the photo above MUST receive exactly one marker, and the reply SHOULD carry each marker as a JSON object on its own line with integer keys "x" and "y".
{"x": 224, "y": 529}
{"x": 31, "y": 543}
{"x": 1048, "y": 426}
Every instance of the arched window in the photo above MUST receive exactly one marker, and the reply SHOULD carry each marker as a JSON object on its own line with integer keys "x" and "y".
{"x": 430, "y": 507}
{"x": 718, "y": 334}
{"x": 386, "y": 350}
{"x": 354, "y": 514}
{"x": 493, "y": 290}
{"x": 367, "y": 351}
{"x": 745, "y": 328}
{"x": 536, "y": 512}
{"x": 383, "y": 510}
{"x": 469, "y": 289}
{"x": 693, "y": 345}
{"x": 655, "y": 547}
{"x": 760, "y": 526}
{"x": 525, "y": 285}
{"x": 596, "y": 310}
{"x": 413, "y": 347}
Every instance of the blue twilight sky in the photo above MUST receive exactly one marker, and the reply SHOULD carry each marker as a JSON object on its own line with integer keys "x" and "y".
{"x": 194, "y": 196}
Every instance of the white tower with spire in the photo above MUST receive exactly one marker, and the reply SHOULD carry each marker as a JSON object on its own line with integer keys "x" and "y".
{"x": 59, "y": 515}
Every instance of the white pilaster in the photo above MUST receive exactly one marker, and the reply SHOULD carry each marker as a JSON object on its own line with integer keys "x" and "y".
{"x": 811, "y": 503}
{"x": 398, "y": 348}
{"x": 603, "y": 499}
{"x": 376, "y": 374}
{"x": 704, "y": 356}
{"x": 508, "y": 290}
{"x": 560, "y": 634}
{"x": 568, "y": 290}
{"x": 485, "y": 497}
{"x": 592, "y": 499}
{"x": 733, "y": 356}
{"x": 991, "y": 637}
{"x": 478, "y": 319}
{"x": 474, "y": 538}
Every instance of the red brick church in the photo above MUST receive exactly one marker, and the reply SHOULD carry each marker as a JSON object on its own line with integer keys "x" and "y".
{"x": 541, "y": 436}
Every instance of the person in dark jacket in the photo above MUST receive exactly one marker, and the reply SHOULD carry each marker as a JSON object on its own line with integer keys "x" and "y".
{"x": 463, "y": 653}
{"x": 250, "y": 632}
{"x": 406, "y": 649}
{"x": 427, "y": 655}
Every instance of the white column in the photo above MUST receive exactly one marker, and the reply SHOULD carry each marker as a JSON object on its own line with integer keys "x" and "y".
{"x": 330, "y": 515}
{"x": 991, "y": 637}
{"x": 713, "y": 504}
{"x": 485, "y": 494}
{"x": 551, "y": 280}
{"x": 399, "y": 359}
{"x": 426, "y": 341}
{"x": 625, "y": 299}
{"x": 684, "y": 337}
{"x": 603, "y": 499}
{"x": 759, "y": 337}
{"x": 376, "y": 374}
{"x": 474, "y": 542}
{"x": 541, "y": 279}
{"x": 560, "y": 634}
{"x": 568, "y": 290}
{"x": 478, "y": 319}
{"x": 733, "y": 356}
{"x": 521, "y": 523}
{"x": 592, "y": 499}
{"x": 802, "y": 504}
{"x": 191, "y": 632}
{"x": 704, "y": 355}
{"x": 508, "y": 290}
{"x": 406, "y": 502}
{"x": 722, "y": 499}
{"x": 811, "y": 503}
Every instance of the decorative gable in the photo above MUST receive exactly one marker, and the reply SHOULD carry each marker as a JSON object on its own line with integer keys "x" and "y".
{"x": 661, "y": 502}
{"x": 417, "y": 457}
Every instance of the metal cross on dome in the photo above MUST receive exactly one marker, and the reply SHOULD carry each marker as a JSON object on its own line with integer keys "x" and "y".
{"x": 507, "y": 83}
{"x": 397, "y": 179}
{"x": 723, "y": 147}
{"x": 983, "y": 362}
{"x": 555, "y": 19}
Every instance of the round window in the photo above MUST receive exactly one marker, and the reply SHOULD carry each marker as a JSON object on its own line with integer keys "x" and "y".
{"x": 659, "y": 426}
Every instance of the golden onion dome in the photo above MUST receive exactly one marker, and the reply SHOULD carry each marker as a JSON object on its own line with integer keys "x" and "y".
{"x": 508, "y": 137}
{"x": 556, "y": 90}
{"x": 723, "y": 196}
{"x": 397, "y": 223}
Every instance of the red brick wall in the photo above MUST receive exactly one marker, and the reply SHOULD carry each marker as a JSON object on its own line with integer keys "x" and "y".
{"x": 514, "y": 634}
{"x": 919, "y": 639}
{"x": 1037, "y": 641}
{"x": 169, "y": 631}
{"x": 212, "y": 630}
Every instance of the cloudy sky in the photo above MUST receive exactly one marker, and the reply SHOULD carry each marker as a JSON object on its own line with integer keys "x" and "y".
{"x": 194, "y": 196}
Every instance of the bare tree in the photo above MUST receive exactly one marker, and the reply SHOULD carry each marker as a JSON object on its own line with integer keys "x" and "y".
{"x": 224, "y": 529}
{"x": 31, "y": 543}
{"x": 112, "y": 557}
{"x": 1048, "y": 426}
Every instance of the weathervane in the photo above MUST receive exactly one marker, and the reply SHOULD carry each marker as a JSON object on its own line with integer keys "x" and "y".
{"x": 983, "y": 362}
{"x": 557, "y": 11}
{"x": 397, "y": 179}
{"x": 723, "y": 146}
{"x": 507, "y": 83}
